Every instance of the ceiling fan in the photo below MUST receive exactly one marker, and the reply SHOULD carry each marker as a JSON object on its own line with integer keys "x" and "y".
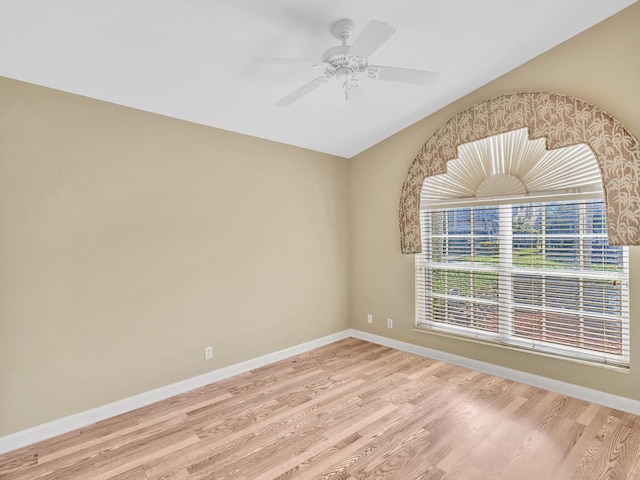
{"x": 348, "y": 63}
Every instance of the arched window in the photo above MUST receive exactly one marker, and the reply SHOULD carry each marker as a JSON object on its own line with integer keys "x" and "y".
{"x": 517, "y": 209}
{"x": 515, "y": 251}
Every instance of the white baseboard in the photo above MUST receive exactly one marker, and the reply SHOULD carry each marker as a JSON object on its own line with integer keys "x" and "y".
{"x": 595, "y": 396}
{"x": 72, "y": 422}
{"x": 51, "y": 429}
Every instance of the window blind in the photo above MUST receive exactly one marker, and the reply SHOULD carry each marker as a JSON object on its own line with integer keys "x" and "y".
{"x": 539, "y": 276}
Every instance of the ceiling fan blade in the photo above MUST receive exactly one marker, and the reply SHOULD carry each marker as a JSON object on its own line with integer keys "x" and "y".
{"x": 358, "y": 101}
{"x": 371, "y": 38}
{"x": 403, "y": 75}
{"x": 302, "y": 91}
{"x": 291, "y": 62}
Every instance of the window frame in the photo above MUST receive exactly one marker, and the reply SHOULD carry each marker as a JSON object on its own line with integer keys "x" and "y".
{"x": 505, "y": 271}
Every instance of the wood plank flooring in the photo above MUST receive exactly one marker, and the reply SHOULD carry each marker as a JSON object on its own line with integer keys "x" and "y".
{"x": 351, "y": 410}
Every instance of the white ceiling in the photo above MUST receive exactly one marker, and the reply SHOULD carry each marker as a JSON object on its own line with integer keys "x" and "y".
{"x": 194, "y": 59}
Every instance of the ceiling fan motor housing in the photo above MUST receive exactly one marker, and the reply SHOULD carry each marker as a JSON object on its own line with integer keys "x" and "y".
{"x": 342, "y": 62}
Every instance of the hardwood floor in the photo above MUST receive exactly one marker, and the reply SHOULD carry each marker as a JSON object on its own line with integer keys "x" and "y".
{"x": 351, "y": 410}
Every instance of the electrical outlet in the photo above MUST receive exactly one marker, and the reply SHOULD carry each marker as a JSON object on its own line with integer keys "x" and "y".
{"x": 208, "y": 352}
{"x": 369, "y": 318}
{"x": 389, "y": 323}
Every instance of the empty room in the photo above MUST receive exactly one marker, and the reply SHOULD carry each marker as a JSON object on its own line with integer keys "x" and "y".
{"x": 339, "y": 239}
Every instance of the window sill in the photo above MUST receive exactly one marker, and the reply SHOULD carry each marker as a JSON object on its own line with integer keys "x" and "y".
{"x": 439, "y": 333}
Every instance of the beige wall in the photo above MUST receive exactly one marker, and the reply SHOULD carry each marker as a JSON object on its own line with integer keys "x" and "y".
{"x": 130, "y": 241}
{"x": 600, "y": 66}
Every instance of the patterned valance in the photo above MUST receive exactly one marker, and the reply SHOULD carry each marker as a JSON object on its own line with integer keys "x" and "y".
{"x": 562, "y": 121}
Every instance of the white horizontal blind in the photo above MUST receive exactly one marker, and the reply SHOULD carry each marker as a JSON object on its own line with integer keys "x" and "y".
{"x": 539, "y": 276}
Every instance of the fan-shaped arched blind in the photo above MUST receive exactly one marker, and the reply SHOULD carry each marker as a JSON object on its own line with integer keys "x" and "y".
{"x": 558, "y": 120}
{"x": 510, "y": 164}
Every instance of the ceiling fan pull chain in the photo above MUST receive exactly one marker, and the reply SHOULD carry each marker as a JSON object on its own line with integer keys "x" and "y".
{"x": 346, "y": 86}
